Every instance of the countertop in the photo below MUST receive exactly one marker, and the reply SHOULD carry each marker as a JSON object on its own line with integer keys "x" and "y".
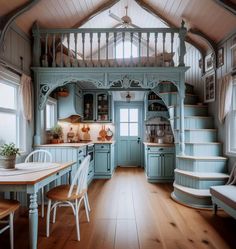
{"x": 75, "y": 145}
{"x": 158, "y": 145}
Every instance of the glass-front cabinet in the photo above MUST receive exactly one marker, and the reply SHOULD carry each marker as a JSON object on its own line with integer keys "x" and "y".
{"x": 97, "y": 107}
{"x": 89, "y": 112}
{"x": 102, "y": 107}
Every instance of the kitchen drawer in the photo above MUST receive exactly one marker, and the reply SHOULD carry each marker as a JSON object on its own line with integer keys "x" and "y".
{"x": 152, "y": 149}
{"x": 102, "y": 147}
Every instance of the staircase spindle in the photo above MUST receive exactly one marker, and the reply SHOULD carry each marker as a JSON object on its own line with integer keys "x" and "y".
{"x": 99, "y": 40}
{"x": 123, "y": 41}
{"x": 164, "y": 44}
{"x": 68, "y": 49}
{"x": 172, "y": 44}
{"x": 46, "y": 51}
{"x": 75, "y": 64}
{"x": 148, "y": 38}
{"x": 156, "y": 36}
{"x": 115, "y": 39}
{"x": 131, "y": 49}
{"x": 61, "y": 51}
{"x": 139, "y": 48}
{"x": 83, "y": 40}
{"x": 107, "y": 39}
{"x": 91, "y": 48}
{"x": 53, "y": 51}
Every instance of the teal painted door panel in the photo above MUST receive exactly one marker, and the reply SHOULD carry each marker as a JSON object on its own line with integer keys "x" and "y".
{"x": 155, "y": 165}
{"x": 129, "y": 133}
{"x": 169, "y": 164}
{"x": 102, "y": 162}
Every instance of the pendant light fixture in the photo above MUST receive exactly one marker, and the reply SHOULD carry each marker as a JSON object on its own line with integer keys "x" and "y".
{"x": 128, "y": 97}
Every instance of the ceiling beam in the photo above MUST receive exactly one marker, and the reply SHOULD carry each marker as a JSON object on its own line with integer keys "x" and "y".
{"x": 6, "y": 20}
{"x": 227, "y": 5}
{"x": 95, "y": 12}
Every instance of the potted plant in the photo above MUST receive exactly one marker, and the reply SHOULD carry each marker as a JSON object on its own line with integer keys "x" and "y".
{"x": 56, "y": 133}
{"x": 8, "y": 154}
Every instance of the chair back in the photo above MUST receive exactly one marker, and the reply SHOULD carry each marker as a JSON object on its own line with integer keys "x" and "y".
{"x": 81, "y": 177}
{"x": 40, "y": 156}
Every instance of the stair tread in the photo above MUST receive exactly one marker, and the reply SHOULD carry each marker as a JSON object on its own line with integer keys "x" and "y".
{"x": 203, "y": 158}
{"x": 202, "y": 175}
{"x": 190, "y": 94}
{"x": 188, "y": 105}
{"x": 176, "y": 117}
{"x": 193, "y": 191}
{"x": 215, "y": 130}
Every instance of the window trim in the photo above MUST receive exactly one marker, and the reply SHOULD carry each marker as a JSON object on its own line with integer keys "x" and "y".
{"x": 53, "y": 102}
{"x": 230, "y": 125}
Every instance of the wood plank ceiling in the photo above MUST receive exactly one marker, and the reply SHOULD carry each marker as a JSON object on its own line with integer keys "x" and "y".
{"x": 205, "y": 15}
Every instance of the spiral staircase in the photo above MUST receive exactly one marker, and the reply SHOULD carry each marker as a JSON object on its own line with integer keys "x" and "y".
{"x": 203, "y": 165}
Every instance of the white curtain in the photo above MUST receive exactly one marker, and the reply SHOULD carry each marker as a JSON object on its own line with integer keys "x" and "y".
{"x": 26, "y": 96}
{"x": 225, "y": 97}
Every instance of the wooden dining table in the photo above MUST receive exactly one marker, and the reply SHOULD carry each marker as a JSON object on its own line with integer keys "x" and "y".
{"x": 30, "y": 178}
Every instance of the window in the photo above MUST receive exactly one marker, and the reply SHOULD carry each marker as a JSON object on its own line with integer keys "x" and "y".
{"x": 231, "y": 124}
{"x": 127, "y": 50}
{"x": 50, "y": 113}
{"x": 129, "y": 122}
{"x": 12, "y": 124}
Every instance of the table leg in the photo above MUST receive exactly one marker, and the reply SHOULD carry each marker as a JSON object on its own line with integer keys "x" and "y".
{"x": 33, "y": 221}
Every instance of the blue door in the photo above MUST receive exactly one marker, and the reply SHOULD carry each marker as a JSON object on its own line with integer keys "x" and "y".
{"x": 129, "y": 129}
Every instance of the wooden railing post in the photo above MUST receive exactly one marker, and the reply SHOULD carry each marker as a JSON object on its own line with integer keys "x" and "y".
{"x": 37, "y": 45}
{"x": 182, "y": 49}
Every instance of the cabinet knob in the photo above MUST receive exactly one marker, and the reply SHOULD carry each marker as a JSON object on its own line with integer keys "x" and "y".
{"x": 148, "y": 148}
{"x": 161, "y": 149}
{"x": 102, "y": 146}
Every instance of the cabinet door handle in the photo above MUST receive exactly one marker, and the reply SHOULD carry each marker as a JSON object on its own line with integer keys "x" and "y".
{"x": 148, "y": 148}
{"x": 161, "y": 149}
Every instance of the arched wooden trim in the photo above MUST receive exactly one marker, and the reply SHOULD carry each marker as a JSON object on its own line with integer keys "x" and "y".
{"x": 227, "y": 5}
{"x": 97, "y": 11}
{"x": 6, "y": 20}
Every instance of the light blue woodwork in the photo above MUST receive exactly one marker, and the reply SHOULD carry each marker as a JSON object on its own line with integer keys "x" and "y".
{"x": 172, "y": 99}
{"x": 103, "y": 161}
{"x": 159, "y": 163}
{"x": 198, "y": 135}
{"x": 198, "y": 183}
{"x": 194, "y": 122}
{"x": 71, "y": 104}
{"x": 201, "y": 165}
{"x": 189, "y": 110}
{"x": 201, "y": 149}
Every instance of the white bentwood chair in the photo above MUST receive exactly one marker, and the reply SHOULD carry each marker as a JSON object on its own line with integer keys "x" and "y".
{"x": 70, "y": 195}
{"x": 8, "y": 208}
{"x": 41, "y": 156}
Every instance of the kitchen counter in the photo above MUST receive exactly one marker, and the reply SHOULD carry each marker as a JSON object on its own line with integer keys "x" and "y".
{"x": 158, "y": 144}
{"x": 75, "y": 145}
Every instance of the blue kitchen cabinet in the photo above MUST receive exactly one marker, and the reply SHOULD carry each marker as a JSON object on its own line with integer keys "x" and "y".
{"x": 98, "y": 107}
{"x": 159, "y": 163}
{"x": 104, "y": 162}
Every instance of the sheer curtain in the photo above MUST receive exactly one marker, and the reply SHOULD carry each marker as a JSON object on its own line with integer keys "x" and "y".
{"x": 225, "y": 97}
{"x": 26, "y": 96}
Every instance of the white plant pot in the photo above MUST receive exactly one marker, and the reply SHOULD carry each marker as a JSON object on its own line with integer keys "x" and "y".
{"x": 7, "y": 162}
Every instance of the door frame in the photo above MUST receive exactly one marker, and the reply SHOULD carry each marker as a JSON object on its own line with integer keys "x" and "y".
{"x": 134, "y": 104}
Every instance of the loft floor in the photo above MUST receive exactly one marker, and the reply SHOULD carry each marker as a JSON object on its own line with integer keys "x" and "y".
{"x": 130, "y": 213}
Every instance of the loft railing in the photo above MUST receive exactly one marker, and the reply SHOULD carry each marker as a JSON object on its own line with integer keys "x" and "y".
{"x": 98, "y": 47}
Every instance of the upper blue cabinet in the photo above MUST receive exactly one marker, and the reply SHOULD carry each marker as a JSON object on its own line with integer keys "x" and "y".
{"x": 97, "y": 107}
{"x": 154, "y": 106}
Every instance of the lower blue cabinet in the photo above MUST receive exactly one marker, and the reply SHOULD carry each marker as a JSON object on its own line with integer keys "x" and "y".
{"x": 103, "y": 161}
{"x": 159, "y": 164}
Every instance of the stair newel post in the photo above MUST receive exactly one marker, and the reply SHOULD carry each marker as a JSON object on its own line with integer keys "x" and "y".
{"x": 37, "y": 45}
{"x": 182, "y": 47}
{"x": 181, "y": 104}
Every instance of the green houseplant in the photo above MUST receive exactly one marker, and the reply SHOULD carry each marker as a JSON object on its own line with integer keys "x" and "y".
{"x": 56, "y": 133}
{"x": 8, "y": 154}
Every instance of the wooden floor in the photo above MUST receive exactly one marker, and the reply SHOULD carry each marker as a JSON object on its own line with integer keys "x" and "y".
{"x": 129, "y": 213}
